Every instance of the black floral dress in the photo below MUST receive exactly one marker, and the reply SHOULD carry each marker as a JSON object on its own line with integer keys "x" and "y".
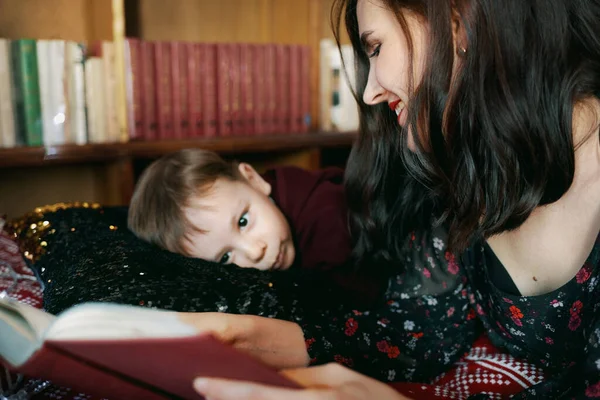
{"x": 433, "y": 314}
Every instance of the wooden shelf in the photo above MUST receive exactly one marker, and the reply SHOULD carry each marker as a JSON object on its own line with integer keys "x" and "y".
{"x": 99, "y": 153}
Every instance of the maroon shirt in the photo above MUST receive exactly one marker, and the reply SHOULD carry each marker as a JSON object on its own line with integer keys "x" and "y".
{"x": 315, "y": 206}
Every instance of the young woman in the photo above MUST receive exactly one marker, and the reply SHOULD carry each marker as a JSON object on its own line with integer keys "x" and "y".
{"x": 493, "y": 108}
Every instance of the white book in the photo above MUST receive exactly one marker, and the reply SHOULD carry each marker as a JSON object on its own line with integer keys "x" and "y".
{"x": 95, "y": 100}
{"x": 344, "y": 112}
{"x": 50, "y": 57}
{"x": 8, "y": 133}
{"x": 112, "y": 122}
{"x": 76, "y": 131}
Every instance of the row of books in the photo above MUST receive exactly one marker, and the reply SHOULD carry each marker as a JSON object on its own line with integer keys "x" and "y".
{"x": 55, "y": 92}
{"x": 184, "y": 90}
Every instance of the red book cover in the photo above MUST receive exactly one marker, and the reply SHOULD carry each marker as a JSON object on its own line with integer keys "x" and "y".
{"x": 235, "y": 78}
{"x": 305, "y": 84}
{"x": 282, "y": 117}
{"x": 224, "y": 116}
{"x": 271, "y": 124}
{"x": 194, "y": 93}
{"x": 258, "y": 90}
{"x": 120, "y": 352}
{"x": 164, "y": 96}
{"x": 178, "y": 89}
{"x": 208, "y": 74}
{"x": 246, "y": 88}
{"x": 134, "y": 82}
{"x": 149, "y": 83}
{"x": 294, "y": 82}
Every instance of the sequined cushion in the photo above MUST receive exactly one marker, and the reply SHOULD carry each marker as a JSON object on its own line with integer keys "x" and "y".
{"x": 86, "y": 253}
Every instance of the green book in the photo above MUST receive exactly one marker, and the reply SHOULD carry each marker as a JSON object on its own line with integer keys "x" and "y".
{"x": 28, "y": 108}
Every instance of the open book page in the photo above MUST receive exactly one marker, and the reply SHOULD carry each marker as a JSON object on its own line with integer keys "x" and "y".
{"x": 22, "y": 328}
{"x": 106, "y": 321}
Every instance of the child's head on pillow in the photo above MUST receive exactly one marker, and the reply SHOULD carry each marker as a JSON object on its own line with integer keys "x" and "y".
{"x": 195, "y": 203}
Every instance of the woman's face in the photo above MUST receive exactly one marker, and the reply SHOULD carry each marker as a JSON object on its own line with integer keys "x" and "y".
{"x": 387, "y": 46}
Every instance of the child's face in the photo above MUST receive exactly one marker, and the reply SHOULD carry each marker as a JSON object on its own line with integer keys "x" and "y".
{"x": 237, "y": 223}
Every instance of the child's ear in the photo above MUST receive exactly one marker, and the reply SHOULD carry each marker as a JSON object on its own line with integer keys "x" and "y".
{"x": 254, "y": 179}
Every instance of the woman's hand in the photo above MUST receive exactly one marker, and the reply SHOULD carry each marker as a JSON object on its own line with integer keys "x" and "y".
{"x": 279, "y": 344}
{"x": 328, "y": 382}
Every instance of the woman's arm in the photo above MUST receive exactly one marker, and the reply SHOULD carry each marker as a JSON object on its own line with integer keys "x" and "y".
{"x": 277, "y": 343}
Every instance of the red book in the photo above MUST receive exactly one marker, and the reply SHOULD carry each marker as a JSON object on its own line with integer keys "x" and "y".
{"x": 164, "y": 97}
{"x": 271, "y": 125}
{"x": 208, "y": 74}
{"x": 194, "y": 93}
{"x": 149, "y": 83}
{"x": 179, "y": 90}
{"x": 282, "y": 117}
{"x": 134, "y": 86}
{"x": 246, "y": 88}
{"x": 224, "y": 116}
{"x": 258, "y": 90}
{"x": 120, "y": 352}
{"x": 235, "y": 77}
{"x": 305, "y": 85}
{"x": 294, "y": 85}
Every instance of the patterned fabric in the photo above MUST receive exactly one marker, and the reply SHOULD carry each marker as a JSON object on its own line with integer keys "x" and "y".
{"x": 559, "y": 331}
{"x": 485, "y": 372}
{"x": 430, "y": 320}
{"x": 16, "y": 278}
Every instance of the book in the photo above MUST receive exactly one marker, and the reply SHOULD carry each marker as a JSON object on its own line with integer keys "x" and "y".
{"x": 120, "y": 352}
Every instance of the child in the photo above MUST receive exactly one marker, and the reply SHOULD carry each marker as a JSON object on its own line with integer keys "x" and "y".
{"x": 194, "y": 203}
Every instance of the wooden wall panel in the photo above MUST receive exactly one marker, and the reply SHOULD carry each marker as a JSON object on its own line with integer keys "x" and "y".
{"x": 57, "y": 19}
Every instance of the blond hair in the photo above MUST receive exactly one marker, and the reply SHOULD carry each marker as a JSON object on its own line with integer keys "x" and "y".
{"x": 164, "y": 190}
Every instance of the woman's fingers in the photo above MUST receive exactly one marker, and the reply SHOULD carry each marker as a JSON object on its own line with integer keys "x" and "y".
{"x": 223, "y": 389}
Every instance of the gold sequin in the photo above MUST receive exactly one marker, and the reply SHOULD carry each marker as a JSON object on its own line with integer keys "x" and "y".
{"x": 31, "y": 227}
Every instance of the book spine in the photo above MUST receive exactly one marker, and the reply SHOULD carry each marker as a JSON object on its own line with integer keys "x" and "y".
{"x": 45, "y": 77}
{"x": 246, "y": 89}
{"x": 110, "y": 99}
{"x": 176, "y": 87}
{"x": 209, "y": 90}
{"x": 270, "y": 68}
{"x": 258, "y": 90}
{"x": 58, "y": 92}
{"x": 163, "y": 81}
{"x": 76, "y": 129}
{"x": 305, "y": 84}
{"x": 235, "y": 73}
{"x": 195, "y": 56}
{"x": 295, "y": 111}
{"x": 184, "y": 90}
{"x": 7, "y": 117}
{"x": 224, "y": 89}
{"x": 29, "y": 109}
{"x": 133, "y": 82}
{"x": 148, "y": 90}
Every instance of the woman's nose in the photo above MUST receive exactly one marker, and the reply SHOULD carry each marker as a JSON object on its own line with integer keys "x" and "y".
{"x": 374, "y": 92}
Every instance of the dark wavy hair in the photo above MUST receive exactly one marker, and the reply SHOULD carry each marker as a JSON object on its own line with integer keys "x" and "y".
{"x": 494, "y": 140}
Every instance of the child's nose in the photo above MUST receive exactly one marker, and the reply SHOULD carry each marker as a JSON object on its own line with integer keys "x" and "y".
{"x": 255, "y": 250}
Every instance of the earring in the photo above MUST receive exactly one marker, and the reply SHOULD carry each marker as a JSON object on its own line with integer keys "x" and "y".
{"x": 462, "y": 51}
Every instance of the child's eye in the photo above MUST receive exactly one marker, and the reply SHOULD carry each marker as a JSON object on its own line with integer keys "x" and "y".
{"x": 244, "y": 220}
{"x": 375, "y": 52}
{"x": 225, "y": 258}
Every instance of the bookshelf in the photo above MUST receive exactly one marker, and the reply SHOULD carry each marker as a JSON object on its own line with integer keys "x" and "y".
{"x": 106, "y": 173}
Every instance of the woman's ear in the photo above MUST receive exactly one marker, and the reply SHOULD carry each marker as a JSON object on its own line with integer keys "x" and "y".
{"x": 254, "y": 179}
{"x": 459, "y": 34}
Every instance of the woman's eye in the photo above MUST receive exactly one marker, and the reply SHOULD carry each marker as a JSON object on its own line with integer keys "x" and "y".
{"x": 244, "y": 220}
{"x": 225, "y": 259}
{"x": 375, "y": 52}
